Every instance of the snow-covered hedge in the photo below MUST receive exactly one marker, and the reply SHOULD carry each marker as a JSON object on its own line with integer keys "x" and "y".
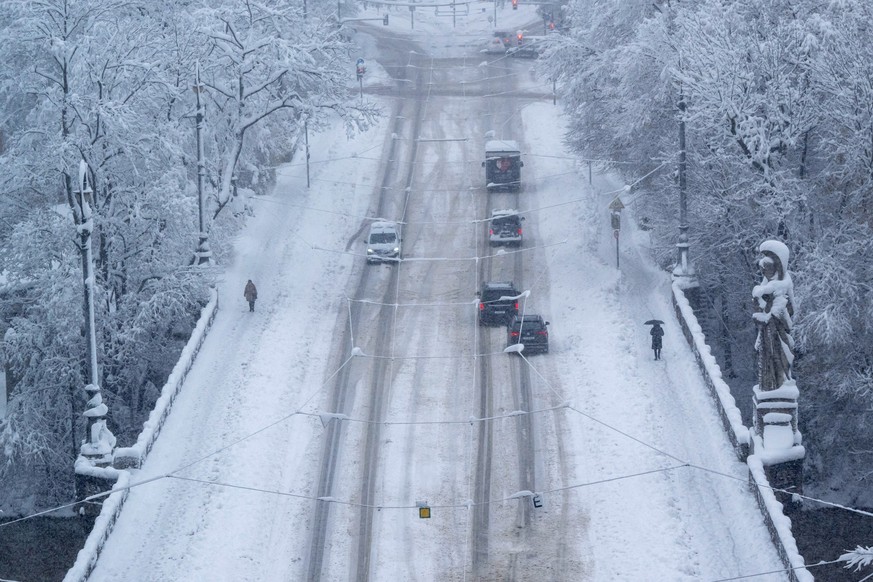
{"x": 134, "y": 456}
{"x": 718, "y": 388}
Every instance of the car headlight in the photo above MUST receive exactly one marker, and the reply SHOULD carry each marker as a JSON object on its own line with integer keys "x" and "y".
{"x": 396, "y": 249}
{"x": 369, "y": 251}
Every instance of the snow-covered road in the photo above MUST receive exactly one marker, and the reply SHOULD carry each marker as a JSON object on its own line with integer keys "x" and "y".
{"x": 608, "y": 431}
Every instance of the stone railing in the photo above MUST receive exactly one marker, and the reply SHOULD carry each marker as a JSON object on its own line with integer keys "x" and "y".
{"x": 731, "y": 418}
{"x": 132, "y": 457}
{"x": 777, "y": 523}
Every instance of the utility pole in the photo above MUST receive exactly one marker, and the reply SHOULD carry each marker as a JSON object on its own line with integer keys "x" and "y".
{"x": 203, "y": 254}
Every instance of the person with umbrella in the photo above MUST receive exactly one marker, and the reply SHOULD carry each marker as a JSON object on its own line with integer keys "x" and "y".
{"x": 657, "y": 333}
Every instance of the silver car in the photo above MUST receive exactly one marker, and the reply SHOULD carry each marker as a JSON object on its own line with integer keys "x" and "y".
{"x": 383, "y": 243}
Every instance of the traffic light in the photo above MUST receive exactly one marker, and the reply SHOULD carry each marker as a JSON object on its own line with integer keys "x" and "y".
{"x": 515, "y": 4}
{"x": 385, "y": 20}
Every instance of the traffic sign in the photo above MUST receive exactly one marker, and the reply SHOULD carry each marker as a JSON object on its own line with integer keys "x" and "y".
{"x": 616, "y": 205}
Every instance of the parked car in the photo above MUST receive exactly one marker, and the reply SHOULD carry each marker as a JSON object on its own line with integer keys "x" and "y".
{"x": 505, "y": 228}
{"x": 502, "y": 165}
{"x": 498, "y": 301}
{"x": 529, "y": 330}
{"x": 383, "y": 243}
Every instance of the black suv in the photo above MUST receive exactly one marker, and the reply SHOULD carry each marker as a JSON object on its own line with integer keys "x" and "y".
{"x": 505, "y": 228}
{"x": 497, "y": 303}
{"x": 530, "y": 331}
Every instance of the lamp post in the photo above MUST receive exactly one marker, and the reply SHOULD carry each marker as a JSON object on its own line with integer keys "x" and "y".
{"x": 203, "y": 254}
{"x": 99, "y": 443}
{"x": 684, "y": 270}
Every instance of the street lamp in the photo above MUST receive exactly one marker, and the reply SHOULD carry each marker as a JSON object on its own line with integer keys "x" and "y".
{"x": 203, "y": 254}
{"x": 99, "y": 444}
{"x": 684, "y": 270}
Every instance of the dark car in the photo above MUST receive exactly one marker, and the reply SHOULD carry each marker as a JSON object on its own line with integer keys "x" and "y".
{"x": 529, "y": 330}
{"x": 498, "y": 302}
{"x": 502, "y": 165}
{"x": 525, "y": 51}
{"x": 505, "y": 228}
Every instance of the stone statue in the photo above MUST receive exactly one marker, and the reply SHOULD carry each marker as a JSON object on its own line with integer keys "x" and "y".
{"x": 774, "y": 298}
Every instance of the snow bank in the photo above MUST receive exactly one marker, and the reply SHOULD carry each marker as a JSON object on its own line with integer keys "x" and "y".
{"x": 126, "y": 457}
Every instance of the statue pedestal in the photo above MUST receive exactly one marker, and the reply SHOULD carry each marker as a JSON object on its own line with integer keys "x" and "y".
{"x": 782, "y": 400}
{"x": 776, "y": 440}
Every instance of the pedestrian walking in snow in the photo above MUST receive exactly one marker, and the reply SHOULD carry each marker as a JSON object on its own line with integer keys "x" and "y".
{"x": 251, "y": 294}
{"x": 657, "y": 333}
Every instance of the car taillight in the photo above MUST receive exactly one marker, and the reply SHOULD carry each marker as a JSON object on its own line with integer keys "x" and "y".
{"x": 519, "y": 231}
{"x": 491, "y": 231}
{"x": 481, "y": 307}
{"x": 544, "y": 332}
{"x": 513, "y": 333}
{"x": 516, "y": 305}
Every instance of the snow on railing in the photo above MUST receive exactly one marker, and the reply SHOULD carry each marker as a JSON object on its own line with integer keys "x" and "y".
{"x": 777, "y": 523}
{"x": 127, "y": 457}
{"x": 730, "y": 415}
{"x": 86, "y": 559}
{"x": 134, "y": 456}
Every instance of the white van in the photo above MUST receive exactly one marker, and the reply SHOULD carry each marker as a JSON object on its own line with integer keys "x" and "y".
{"x": 383, "y": 243}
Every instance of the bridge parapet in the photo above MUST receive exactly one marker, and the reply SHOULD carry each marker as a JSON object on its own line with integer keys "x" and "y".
{"x": 747, "y": 446}
{"x": 132, "y": 457}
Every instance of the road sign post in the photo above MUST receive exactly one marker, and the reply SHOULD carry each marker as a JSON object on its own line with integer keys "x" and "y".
{"x": 360, "y": 69}
{"x": 615, "y": 208}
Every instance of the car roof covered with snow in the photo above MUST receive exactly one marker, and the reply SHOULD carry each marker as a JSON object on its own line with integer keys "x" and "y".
{"x": 501, "y": 145}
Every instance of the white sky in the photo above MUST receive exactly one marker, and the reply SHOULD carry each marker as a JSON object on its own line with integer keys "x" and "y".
{"x": 614, "y": 407}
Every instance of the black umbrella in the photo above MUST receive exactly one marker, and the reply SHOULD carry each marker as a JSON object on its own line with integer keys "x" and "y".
{"x": 654, "y": 322}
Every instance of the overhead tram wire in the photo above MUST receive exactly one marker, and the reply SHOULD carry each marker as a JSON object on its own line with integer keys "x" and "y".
{"x": 172, "y": 474}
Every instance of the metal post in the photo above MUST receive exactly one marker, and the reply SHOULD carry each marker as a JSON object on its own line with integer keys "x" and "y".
{"x": 202, "y": 255}
{"x": 99, "y": 444}
{"x": 454, "y": 16}
{"x": 555, "y": 98}
{"x": 495, "y": 13}
{"x": 616, "y": 249}
{"x": 85, "y": 223}
{"x": 683, "y": 268}
{"x": 306, "y": 139}
{"x": 683, "y": 192}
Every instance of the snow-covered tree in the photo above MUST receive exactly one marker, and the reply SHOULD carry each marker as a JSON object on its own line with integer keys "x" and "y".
{"x": 778, "y": 130}
{"x": 110, "y": 83}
